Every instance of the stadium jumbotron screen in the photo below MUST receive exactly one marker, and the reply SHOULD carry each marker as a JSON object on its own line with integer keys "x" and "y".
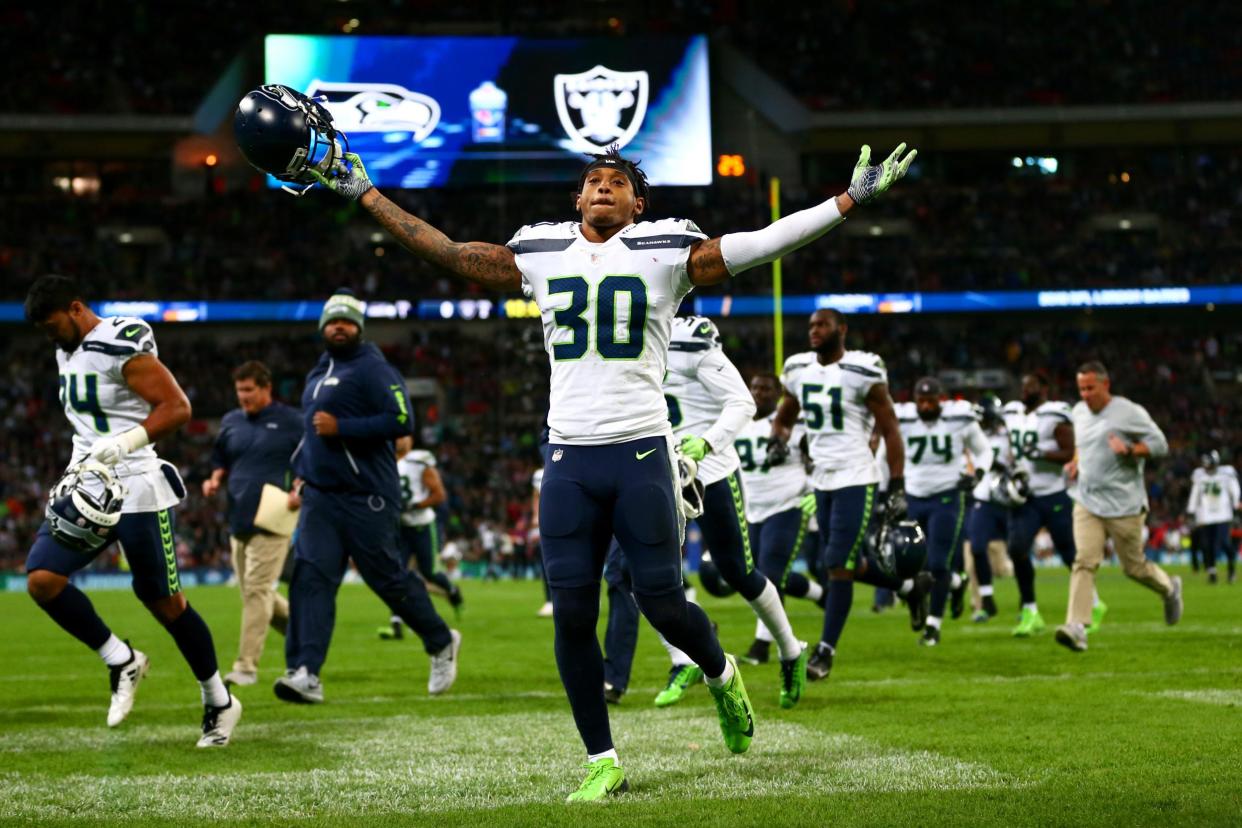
{"x": 442, "y": 111}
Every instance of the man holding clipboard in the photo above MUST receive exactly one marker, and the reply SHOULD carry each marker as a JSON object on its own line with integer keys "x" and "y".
{"x": 252, "y": 456}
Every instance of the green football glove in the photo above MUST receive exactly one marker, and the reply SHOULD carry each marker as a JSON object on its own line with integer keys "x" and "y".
{"x": 869, "y": 181}
{"x": 351, "y": 181}
{"x": 807, "y": 504}
{"x": 696, "y": 448}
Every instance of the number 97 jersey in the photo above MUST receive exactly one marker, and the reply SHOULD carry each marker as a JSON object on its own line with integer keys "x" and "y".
{"x": 607, "y": 313}
{"x": 838, "y": 422}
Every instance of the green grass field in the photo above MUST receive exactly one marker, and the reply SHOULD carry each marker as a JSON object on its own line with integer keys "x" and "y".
{"x": 1144, "y": 729}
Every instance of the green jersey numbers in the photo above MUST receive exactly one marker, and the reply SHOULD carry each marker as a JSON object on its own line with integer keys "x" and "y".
{"x": 940, "y": 447}
{"x": 1025, "y": 444}
{"x": 83, "y": 398}
{"x": 752, "y": 453}
{"x": 813, "y": 399}
{"x": 611, "y": 341}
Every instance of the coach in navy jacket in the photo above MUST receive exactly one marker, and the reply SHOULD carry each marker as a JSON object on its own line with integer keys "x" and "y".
{"x": 353, "y": 407}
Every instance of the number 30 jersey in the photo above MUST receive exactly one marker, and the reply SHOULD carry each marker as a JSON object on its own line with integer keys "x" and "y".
{"x": 838, "y": 423}
{"x": 607, "y": 311}
{"x": 99, "y": 403}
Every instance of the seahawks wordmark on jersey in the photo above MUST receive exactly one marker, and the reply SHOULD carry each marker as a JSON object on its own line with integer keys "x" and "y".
{"x": 775, "y": 489}
{"x": 936, "y": 449}
{"x": 705, "y": 394}
{"x": 1032, "y": 435}
{"x": 99, "y": 403}
{"x": 1213, "y": 495}
{"x": 411, "y": 468}
{"x": 607, "y": 311}
{"x": 833, "y": 398}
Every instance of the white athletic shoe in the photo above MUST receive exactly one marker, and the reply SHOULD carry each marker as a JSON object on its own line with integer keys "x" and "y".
{"x": 444, "y": 666}
{"x": 1173, "y": 603}
{"x": 299, "y": 686}
{"x": 218, "y": 723}
{"x": 546, "y": 610}
{"x": 124, "y": 680}
{"x": 241, "y": 678}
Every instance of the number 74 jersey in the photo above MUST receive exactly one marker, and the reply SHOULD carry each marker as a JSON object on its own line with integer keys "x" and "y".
{"x": 838, "y": 422}
{"x": 607, "y": 313}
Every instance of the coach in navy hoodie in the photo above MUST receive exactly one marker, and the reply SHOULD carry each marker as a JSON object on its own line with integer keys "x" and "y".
{"x": 354, "y": 406}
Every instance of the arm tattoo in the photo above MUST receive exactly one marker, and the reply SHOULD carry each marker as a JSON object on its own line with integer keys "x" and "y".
{"x": 707, "y": 265}
{"x": 490, "y": 265}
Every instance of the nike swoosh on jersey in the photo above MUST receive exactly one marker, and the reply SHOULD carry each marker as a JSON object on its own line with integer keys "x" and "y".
{"x": 639, "y": 455}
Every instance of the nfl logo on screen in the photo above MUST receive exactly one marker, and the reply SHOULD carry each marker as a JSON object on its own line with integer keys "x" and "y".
{"x": 593, "y": 104}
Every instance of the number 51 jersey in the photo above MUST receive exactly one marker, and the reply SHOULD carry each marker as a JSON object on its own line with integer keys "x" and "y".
{"x": 99, "y": 403}
{"x": 607, "y": 313}
{"x": 838, "y": 422}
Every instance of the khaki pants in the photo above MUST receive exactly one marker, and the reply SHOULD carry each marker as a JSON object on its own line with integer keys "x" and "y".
{"x": 1002, "y": 567}
{"x": 1090, "y": 532}
{"x": 258, "y": 560}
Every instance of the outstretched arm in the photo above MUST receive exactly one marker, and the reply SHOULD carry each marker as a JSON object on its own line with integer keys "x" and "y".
{"x": 714, "y": 260}
{"x": 490, "y": 265}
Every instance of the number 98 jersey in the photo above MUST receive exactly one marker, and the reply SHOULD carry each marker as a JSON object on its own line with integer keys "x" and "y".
{"x": 607, "y": 313}
{"x": 99, "y": 403}
{"x": 838, "y": 422}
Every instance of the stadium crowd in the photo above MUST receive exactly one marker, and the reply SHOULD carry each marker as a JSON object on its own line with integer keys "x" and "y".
{"x": 103, "y": 59}
{"x": 968, "y": 223}
{"x": 484, "y": 423}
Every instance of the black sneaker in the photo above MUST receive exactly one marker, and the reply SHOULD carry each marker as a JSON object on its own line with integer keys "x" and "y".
{"x": 917, "y": 600}
{"x": 759, "y": 652}
{"x": 455, "y": 600}
{"x": 820, "y": 664}
{"x": 989, "y": 606}
{"x": 957, "y": 597}
{"x": 931, "y": 637}
{"x": 1212, "y": 576}
{"x": 613, "y": 695}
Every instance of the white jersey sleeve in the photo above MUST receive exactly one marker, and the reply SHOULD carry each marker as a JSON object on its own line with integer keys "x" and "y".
{"x": 833, "y": 399}
{"x": 412, "y": 469}
{"x": 607, "y": 312}
{"x": 770, "y": 491}
{"x": 98, "y": 402}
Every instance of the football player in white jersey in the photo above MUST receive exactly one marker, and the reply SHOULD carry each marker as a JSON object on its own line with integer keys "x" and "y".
{"x": 1042, "y": 436}
{"x": 708, "y": 405}
{"x": 779, "y": 506}
{"x": 422, "y": 491}
{"x": 994, "y": 495}
{"x": 1214, "y": 496}
{"x": 607, "y": 287}
{"x": 120, "y": 398}
{"x": 937, "y": 434}
{"x": 843, "y": 396}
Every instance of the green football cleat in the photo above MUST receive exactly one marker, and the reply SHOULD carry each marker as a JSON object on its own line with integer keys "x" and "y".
{"x": 604, "y": 777}
{"x": 1097, "y": 616}
{"x": 793, "y": 679}
{"x": 679, "y": 680}
{"x": 737, "y": 717}
{"x": 1030, "y": 622}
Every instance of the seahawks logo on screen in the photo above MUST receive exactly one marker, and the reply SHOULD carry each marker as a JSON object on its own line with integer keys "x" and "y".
{"x": 377, "y": 107}
{"x": 594, "y": 104}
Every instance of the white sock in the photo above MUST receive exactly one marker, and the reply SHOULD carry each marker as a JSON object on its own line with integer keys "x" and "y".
{"x": 115, "y": 652}
{"x": 1095, "y": 597}
{"x": 1031, "y": 606}
{"x": 906, "y": 586}
{"x": 955, "y": 582}
{"x": 762, "y": 633}
{"x": 678, "y": 658}
{"x": 396, "y": 619}
{"x": 933, "y": 622}
{"x": 814, "y": 592}
{"x": 985, "y": 590}
{"x": 608, "y": 754}
{"x": 722, "y": 679}
{"x": 215, "y": 693}
{"x": 770, "y": 611}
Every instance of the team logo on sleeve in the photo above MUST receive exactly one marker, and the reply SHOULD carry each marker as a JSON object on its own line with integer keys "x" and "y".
{"x": 377, "y": 107}
{"x": 593, "y": 105}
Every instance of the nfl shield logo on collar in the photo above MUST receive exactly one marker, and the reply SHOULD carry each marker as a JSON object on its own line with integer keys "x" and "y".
{"x": 557, "y": 455}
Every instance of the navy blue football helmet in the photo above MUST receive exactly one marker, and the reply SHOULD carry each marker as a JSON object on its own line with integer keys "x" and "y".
{"x": 286, "y": 134}
{"x": 988, "y": 410}
{"x": 901, "y": 549}
{"x": 85, "y": 506}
